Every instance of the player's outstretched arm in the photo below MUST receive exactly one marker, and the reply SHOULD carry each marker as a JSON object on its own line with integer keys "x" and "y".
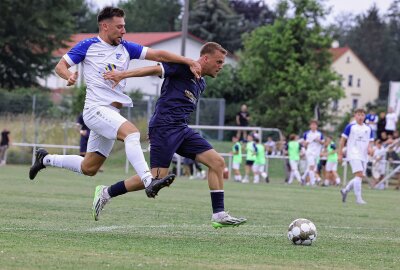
{"x": 62, "y": 69}
{"x": 117, "y": 76}
{"x": 164, "y": 56}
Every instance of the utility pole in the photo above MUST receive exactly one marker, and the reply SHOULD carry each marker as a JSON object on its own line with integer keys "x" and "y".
{"x": 185, "y": 21}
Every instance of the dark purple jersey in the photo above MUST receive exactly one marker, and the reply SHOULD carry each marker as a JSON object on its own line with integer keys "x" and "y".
{"x": 180, "y": 93}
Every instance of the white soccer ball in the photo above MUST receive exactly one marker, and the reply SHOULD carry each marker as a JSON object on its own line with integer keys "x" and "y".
{"x": 302, "y": 232}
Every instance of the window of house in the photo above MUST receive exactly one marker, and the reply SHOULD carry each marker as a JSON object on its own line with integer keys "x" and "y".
{"x": 350, "y": 82}
{"x": 348, "y": 59}
{"x": 355, "y": 103}
{"x": 359, "y": 83}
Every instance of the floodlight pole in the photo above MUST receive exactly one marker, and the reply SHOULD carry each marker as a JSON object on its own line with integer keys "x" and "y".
{"x": 185, "y": 21}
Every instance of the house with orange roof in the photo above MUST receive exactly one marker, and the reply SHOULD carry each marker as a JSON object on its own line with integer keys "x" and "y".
{"x": 358, "y": 82}
{"x": 169, "y": 41}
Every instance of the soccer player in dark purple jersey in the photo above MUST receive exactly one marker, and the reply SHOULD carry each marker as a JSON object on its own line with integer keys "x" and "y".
{"x": 168, "y": 128}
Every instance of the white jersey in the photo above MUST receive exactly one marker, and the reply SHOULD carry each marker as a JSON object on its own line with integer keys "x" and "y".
{"x": 313, "y": 147}
{"x": 391, "y": 120}
{"x": 358, "y": 138}
{"x": 99, "y": 57}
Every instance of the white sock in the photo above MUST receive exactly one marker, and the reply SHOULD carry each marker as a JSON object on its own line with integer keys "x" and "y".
{"x": 337, "y": 181}
{"x": 305, "y": 175}
{"x": 312, "y": 177}
{"x": 297, "y": 175}
{"x": 357, "y": 188}
{"x": 350, "y": 185}
{"x": 256, "y": 178}
{"x": 326, "y": 182}
{"x": 134, "y": 152}
{"x": 291, "y": 177}
{"x": 69, "y": 162}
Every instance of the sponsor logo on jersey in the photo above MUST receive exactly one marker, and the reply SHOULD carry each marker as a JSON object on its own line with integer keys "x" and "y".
{"x": 190, "y": 96}
{"x": 118, "y": 55}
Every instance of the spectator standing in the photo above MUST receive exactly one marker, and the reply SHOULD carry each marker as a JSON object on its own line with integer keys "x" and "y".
{"x": 242, "y": 120}
{"x": 372, "y": 121}
{"x": 391, "y": 121}
{"x": 4, "y": 144}
{"x": 293, "y": 150}
{"x": 381, "y": 125}
{"x": 237, "y": 158}
{"x": 251, "y": 155}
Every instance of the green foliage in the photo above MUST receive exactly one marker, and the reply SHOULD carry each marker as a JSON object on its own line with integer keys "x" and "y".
{"x": 288, "y": 63}
{"x": 375, "y": 38}
{"x": 29, "y": 32}
{"x": 214, "y": 20}
{"x": 228, "y": 86}
{"x": 151, "y": 16}
{"x": 78, "y": 99}
{"x": 22, "y": 100}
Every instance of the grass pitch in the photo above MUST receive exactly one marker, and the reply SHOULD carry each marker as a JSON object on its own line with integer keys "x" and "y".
{"x": 47, "y": 224}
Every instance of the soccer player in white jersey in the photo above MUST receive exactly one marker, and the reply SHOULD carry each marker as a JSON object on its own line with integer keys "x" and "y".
{"x": 108, "y": 51}
{"x": 313, "y": 141}
{"x": 359, "y": 138}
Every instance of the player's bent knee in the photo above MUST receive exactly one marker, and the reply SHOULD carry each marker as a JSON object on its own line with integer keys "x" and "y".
{"x": 89, "y": 171}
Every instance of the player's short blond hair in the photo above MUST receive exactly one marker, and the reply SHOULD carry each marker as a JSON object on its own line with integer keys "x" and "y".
{"x": 212, "y": 47}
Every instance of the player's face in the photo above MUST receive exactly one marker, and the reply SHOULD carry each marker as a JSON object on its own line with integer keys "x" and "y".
{"x": 359, "y": 117}
{"x": 313, "y": 126}
{"x": 115, "y": 28}
{"x": 214, "y": 63}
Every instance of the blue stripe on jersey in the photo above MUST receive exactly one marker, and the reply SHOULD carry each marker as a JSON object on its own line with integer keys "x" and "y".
{"x": 78, "y": 52}
{"x": 134, "y": 50}
{"x": 347, "y": 130}
{"x": 305, "y": 135}
{"x": 371, "y": 134}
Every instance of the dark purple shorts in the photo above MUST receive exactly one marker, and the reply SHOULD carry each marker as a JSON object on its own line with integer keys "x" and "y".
{"x": 166, "y": 140}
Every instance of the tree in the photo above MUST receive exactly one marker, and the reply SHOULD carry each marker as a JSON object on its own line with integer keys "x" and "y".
{"x": 228, "y": 86}
{"x": 289, "y": 66}
{"x": 29, "y": 32}
{"x": 255, "y": 12}
{"x": 214, "y": 20}
{"x": 151, "y": 16}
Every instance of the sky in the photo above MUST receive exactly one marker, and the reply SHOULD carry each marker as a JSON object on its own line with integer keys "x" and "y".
{"x": 339, "y": 6}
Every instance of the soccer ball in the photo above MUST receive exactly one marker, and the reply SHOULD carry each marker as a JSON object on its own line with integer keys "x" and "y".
{"x": 302, "y": 232}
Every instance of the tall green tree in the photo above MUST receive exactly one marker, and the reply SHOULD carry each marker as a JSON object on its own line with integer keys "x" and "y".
{"x": 255, "y": 12}
{"x": 214, "y": 20}
{"x": 289, "y": 66}
{"x": 29, "y": 32}
{"x": 151, "y": 16}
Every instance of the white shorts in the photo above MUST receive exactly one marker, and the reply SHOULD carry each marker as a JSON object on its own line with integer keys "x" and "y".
{"x": 358, "y": 166}
{"x": 236, "y": 166}
{"x": 331, "y": 166}
{"x": 294, "y": 165}
{"x": 258, "y": 168}
{"x": 103, "y": 122}
{"x": 311, "y": 160}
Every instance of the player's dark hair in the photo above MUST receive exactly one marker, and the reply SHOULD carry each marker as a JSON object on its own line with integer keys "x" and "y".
{"x": 109, "y": 12}
{"x": 212, "y": 47}
{"x": 359, "y": 110}
{"x": 257, "y": 140}
{"x": 292, "y": 137}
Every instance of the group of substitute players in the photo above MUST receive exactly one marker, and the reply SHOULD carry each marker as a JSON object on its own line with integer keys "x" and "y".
{"x": 356, "y": 144}
{"x": 105, "y": 61}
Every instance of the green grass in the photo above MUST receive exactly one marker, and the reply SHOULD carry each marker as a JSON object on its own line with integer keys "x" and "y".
{"x": 47, "y": 224}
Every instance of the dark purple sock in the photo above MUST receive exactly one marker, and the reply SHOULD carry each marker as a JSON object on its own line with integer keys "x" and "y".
{"x": 117, "y": 189}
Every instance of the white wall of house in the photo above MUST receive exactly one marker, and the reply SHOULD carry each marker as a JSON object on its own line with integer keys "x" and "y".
{"x": 359, "y": 84}
{"x": 147, "y": 85}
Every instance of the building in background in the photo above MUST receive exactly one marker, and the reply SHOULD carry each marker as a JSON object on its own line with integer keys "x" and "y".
{"x": 359, "y": 83}
{"x": 169, "y": 41}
